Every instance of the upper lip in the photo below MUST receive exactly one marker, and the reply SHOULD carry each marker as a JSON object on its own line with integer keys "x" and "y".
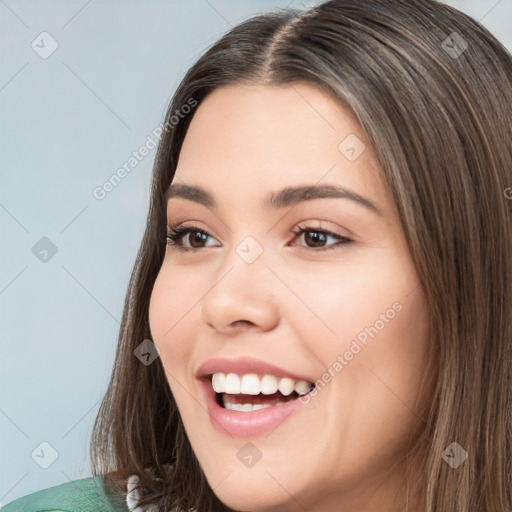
{"x": 244, "y": 365}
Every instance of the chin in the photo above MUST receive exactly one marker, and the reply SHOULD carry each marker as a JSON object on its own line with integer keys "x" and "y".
{"x": 254, "y": 497}
{"x": 253, "y": 489}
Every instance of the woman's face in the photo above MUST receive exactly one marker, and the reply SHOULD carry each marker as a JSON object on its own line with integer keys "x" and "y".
{"x": 254, "y": 296}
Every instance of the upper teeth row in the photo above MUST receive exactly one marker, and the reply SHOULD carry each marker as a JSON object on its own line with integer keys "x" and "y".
{"x": 252, "y": 384}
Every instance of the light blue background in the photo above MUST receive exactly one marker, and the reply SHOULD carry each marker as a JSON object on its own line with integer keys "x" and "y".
{"x": 67, "y": 123}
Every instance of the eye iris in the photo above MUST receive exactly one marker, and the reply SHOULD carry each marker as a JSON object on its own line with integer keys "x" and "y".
{"x": 197, "y": 237}
{"x": 314, "y": 236}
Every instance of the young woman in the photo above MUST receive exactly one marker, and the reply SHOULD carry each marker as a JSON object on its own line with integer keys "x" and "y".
{"x": 329, "y": 325}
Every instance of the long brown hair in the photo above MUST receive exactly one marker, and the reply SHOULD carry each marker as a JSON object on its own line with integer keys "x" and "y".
{"x": 432, "y": 89}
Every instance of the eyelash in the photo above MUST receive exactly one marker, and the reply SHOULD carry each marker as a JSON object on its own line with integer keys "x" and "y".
{"x": 176, "y": 234}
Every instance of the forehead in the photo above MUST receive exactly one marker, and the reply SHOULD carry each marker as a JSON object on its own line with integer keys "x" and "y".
{"x": 253, "y": 139}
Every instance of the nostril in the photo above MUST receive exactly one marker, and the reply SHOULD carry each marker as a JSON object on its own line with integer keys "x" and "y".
{"x": 239, "y": 323}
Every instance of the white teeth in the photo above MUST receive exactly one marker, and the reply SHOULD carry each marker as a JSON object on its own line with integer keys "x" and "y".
{"x": 252, "y": 384}
{"x": 245, "y": 407}
{"x": 232, "y": 384}
{"x": 268, "y": 384}
{"x": 219, "y": 382}
{"x": 302, "y": 387}
{"x": 286, "y": 386}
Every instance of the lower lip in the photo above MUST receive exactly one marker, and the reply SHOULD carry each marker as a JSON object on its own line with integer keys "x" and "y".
{"x": 246, "y": 424}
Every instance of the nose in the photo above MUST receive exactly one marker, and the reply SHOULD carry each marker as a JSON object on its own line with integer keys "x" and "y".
{"x": 241, "y": 297}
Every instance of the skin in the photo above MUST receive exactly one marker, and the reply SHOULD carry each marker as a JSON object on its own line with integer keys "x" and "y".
{"x": 294, "y": 306}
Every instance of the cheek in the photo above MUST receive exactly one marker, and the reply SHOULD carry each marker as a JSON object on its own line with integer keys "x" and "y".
{"x": 336, "y": 303}
{"x": 171, "y": 319}
{"x": 364, "y": 315}
{"x": 170, "y": 315}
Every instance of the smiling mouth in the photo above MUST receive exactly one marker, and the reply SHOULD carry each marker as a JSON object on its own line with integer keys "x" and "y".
{"x": 252, "y": 392}
{"x": 246, "y": 403}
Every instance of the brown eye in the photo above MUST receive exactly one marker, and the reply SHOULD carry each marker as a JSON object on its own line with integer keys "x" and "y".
{"x": 318, "y": 237}
{"x": 176, "y": 235}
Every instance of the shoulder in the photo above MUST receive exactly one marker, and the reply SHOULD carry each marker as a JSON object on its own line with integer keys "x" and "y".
{"x": 84, "y": 495}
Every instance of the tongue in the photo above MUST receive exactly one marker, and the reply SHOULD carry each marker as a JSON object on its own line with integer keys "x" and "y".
{"x": 261, "y": 398}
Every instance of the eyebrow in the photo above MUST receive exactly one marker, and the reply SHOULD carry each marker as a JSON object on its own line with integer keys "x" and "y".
{"x": 286, "y": 197}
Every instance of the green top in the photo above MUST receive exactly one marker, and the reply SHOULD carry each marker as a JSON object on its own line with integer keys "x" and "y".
{"x": 85, "y": 495}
